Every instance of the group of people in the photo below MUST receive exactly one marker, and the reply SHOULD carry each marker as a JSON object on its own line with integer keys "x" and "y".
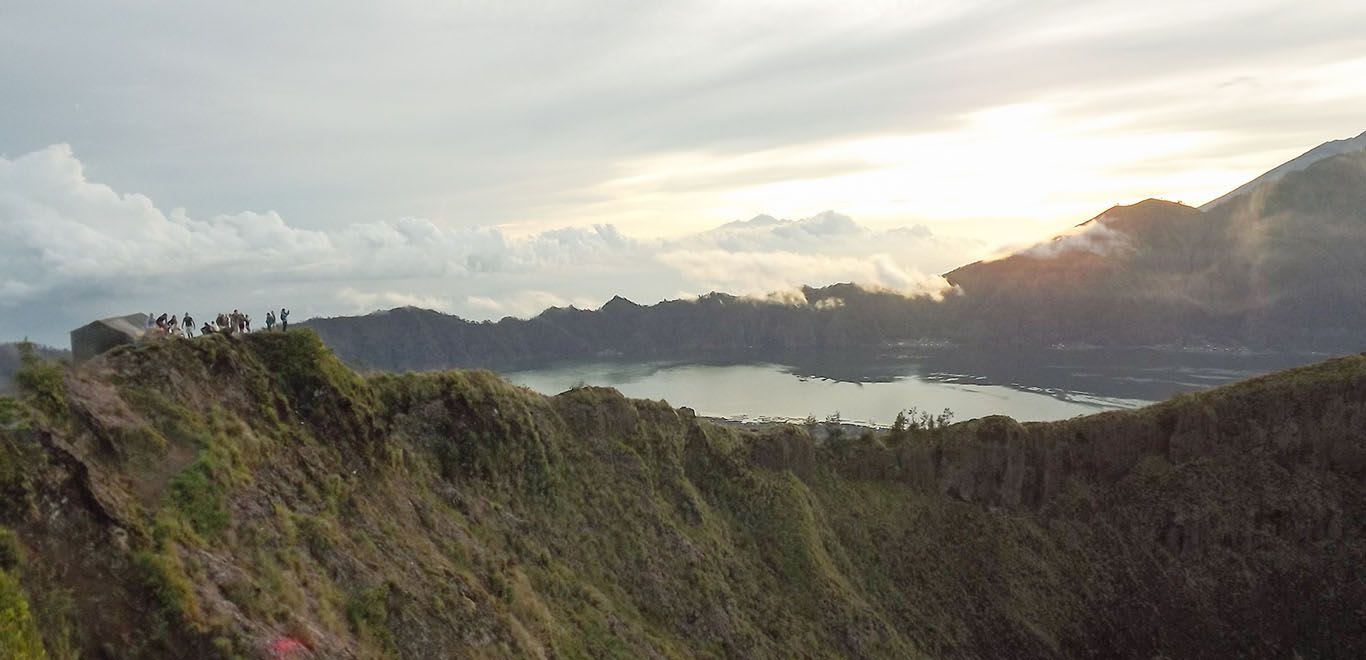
{"x": 222, "y": 324}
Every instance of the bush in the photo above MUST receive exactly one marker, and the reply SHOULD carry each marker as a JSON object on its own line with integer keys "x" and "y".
{"x": 11, "y": 555}
{"x": 200, "y": 499}
{"x": 43, "y": 381}
{"x": 19, "y": 638}
{"x": 165, "y": 577}
{"x": 368, "y": 613}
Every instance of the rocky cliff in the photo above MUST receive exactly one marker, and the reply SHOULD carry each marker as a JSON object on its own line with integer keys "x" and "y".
{"x": 228, "y": 497}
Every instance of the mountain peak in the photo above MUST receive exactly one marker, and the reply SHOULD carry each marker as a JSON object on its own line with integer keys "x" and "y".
{"x": 620, "y": 303}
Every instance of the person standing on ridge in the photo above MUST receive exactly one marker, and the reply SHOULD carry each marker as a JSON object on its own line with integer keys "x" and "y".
{"x": 188, "y": 321}
{"x": 270, "y": 320}
{"x": 284, "y": 320}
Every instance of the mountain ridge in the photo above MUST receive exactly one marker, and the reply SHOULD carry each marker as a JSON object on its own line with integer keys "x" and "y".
{"x": 1304, "y": 160}
{"x": 1277, "y": 269}
{"x": 229, "y": 496}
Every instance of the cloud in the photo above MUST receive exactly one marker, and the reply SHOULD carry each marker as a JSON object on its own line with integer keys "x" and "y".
{"x": 525, "y": 303}
{"x": 368, "y": 301}
{"x": 1093, "y": 237}
{"x": 757, "y": 273}
{"x": 59, "y": 228}
{"x": 72, "y": 249}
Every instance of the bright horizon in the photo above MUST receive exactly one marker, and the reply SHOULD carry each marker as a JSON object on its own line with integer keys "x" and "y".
{"x": 493, "y": 159}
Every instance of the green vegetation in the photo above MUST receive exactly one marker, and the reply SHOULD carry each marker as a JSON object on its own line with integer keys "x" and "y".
{"x": 248, "y": 490}
{"x": 41, "y": 382}
{"x": 19, "y": 637}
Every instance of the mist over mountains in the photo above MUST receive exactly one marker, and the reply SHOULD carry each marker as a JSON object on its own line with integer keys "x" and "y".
{"x": 1280, "y": 265}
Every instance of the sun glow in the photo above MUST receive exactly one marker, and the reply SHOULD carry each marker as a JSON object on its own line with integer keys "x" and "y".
{"x": 1014, "y": 168}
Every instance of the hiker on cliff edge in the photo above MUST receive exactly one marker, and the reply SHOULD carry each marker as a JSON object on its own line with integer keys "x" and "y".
{"x": 188, "y": 321}
{"x": 284, "y": 320}
{"x": 270, "y": 320}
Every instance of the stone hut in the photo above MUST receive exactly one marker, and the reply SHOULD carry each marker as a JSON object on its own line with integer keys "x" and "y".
{"x": 94, "y": 338}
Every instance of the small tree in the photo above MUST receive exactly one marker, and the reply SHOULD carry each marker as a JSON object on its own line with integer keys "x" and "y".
{"x": 914, "y": 419}
{"x": 900, "y": 427}
{"x": 944, "y": 419}
{"x": 834, "y": 425}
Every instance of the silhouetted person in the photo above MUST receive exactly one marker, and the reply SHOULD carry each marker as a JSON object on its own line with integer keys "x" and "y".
{"x": 188, "y": 321}
{"x": 270, "y": 320}
{"x": 284, "y": 320}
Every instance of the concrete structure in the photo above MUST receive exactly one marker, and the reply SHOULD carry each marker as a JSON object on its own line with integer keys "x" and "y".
{"x": 94, "y": 338}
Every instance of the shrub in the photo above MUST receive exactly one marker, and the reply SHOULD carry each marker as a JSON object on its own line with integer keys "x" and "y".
{"x": 19, "y": 638}
{"x": 172, "y": 589}
{"x": 200, "y": 499}
{"x": 369, "y": 614}
{"x": 11, "y": 555}
{"x": 43, "y": 381}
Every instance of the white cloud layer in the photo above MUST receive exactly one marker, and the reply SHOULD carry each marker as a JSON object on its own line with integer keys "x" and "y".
{"x": 72, "y": 249}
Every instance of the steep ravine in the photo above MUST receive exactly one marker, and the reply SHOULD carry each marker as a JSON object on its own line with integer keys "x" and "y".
{"x": 252, "y": 497}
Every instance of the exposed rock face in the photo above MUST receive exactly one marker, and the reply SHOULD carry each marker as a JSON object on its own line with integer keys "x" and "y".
{"x": 251, "y": 496}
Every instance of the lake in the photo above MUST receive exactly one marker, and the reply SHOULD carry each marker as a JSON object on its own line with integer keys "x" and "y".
{"x": 870, "y": 387}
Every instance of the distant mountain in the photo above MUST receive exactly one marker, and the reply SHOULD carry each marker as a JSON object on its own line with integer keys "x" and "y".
{"x": 841, "y": 315}
{"x": 1277, "y": 263}
{"x": 1282, "y": 264}
{"x": 1303, "y": 161}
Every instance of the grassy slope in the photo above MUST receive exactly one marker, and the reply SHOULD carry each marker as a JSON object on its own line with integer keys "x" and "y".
{"x": 210, "y": 497}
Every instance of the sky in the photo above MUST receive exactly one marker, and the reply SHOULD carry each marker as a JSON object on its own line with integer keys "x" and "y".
{"x": 495, "y": 158}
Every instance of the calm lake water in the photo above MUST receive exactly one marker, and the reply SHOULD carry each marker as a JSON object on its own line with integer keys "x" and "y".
{"x": 867, "y": 387}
